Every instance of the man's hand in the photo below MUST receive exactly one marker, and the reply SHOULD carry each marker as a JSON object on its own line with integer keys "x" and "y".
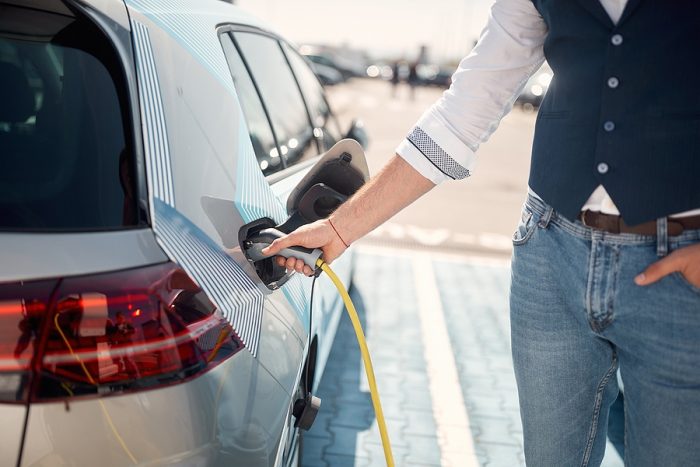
{"x": 684, "y": 260}
{"x": 318, "y": 234}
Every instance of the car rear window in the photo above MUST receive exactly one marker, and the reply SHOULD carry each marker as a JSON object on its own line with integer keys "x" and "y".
{"x": 66, "y": 161}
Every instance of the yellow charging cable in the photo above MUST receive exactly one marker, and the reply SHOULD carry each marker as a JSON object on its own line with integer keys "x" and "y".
{"x": 105, "y": 412}
{"x": 369, "y": 370}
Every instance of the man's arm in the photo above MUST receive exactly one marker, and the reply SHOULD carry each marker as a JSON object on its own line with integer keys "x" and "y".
{"x": 441, "y": 145}
{"x": 396, "y": 186}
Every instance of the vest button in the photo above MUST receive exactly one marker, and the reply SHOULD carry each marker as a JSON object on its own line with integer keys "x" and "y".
{"x": 616, "y": 39}
{"x": 603, "y": 168}
{"x": 608, "y": 126}
{"x": 613, "y": 82}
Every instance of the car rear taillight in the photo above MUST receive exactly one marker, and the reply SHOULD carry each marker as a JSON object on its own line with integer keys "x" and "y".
{"x": 23, "y": 306}
{"x": 108, "y": 333}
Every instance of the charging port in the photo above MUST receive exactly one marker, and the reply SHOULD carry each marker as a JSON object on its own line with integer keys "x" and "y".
{"x": 254, "y": 241}
{"x": 272, "y": 275}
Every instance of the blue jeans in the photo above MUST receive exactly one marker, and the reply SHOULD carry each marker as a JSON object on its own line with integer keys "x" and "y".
{"x": 576, "y": 315}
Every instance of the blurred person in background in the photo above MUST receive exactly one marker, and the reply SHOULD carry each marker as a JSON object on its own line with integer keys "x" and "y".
{"x": 395, "y": 77}
{"x": 413, "y": 78}
{"x": 606, "y": 256}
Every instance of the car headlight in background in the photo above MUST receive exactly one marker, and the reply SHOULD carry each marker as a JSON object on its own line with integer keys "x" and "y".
{"x": 544, "y": 79}
{"x": 536, "y": 90}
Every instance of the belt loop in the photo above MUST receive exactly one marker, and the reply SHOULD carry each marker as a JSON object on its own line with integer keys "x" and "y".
{"x": 546, "y": 217}
{"x": 662, "y": 236}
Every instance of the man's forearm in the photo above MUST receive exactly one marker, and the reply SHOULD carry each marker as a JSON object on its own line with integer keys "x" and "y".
{"x": 396, "y": 186}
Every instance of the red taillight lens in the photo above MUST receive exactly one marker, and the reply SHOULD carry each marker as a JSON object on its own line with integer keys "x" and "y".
{"x": 23, "y": 306}
{"x": 115, "y": 332}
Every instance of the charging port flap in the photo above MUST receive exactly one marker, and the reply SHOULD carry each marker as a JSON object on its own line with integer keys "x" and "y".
{"x": 340, "y": 172}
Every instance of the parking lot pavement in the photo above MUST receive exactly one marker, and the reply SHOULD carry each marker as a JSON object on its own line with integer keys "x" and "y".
{"x": 458, "y": 408}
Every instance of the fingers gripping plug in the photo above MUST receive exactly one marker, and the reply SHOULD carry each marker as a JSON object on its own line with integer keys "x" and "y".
{"x": 260, "y": 240}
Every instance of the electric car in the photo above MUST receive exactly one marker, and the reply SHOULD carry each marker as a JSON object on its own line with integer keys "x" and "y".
{"x": 145, "y": 144}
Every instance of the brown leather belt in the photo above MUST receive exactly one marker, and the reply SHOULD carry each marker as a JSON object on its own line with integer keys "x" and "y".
{"x": 615, "y": 224}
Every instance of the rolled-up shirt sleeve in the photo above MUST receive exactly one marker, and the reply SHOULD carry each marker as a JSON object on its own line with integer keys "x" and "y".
{"x": 442, "y": 144}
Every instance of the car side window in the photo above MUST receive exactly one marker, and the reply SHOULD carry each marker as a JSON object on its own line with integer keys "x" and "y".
{"x": 280, "y": 95}
{"x": 258, "y": 124}
{"x": 325, "y": 126}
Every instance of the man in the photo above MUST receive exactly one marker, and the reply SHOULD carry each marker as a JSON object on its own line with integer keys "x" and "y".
{"x": 606, "y": 261}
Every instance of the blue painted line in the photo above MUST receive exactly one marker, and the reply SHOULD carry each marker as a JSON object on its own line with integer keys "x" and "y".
{"x": 192, "y": 32}
{"x": 155, "y": 133}
{"x": 194, "y": 250}
{"x": 219, "y": 276}
{"x": 253, "y": 195}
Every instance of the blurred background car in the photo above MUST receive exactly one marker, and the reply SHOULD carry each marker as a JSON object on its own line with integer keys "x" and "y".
{"x": 350, "y": 63}
{"x": 434, "y": 75}
{"x": 141, "y": 145}
{"x": 326, "y": 74}
{"x": 429, "y": 74}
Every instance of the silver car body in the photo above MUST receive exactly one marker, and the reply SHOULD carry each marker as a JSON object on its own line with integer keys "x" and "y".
{"x": 195, "y": 147}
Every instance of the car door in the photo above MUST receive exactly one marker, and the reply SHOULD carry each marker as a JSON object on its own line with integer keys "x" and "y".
{"x": 290, "y": 125}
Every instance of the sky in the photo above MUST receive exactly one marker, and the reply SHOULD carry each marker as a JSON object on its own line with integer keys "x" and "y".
{"x": 385, "y": 28}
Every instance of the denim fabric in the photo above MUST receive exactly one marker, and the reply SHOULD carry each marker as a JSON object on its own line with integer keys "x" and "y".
{"x": 576, "y": 315}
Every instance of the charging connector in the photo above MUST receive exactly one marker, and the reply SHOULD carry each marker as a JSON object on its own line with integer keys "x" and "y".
{"x": 258, "y": 235}
{"x": 260, "y": 240}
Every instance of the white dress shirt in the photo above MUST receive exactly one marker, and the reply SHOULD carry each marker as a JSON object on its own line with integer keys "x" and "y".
{"x": 484, "y": 88}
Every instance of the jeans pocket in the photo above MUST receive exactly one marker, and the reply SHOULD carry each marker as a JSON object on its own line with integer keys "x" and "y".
{"x": 526, "y": 227}
{"x": 685, "y": 282}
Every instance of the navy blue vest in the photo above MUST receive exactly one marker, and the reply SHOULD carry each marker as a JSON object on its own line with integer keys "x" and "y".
{"x": 623, "y": 108}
